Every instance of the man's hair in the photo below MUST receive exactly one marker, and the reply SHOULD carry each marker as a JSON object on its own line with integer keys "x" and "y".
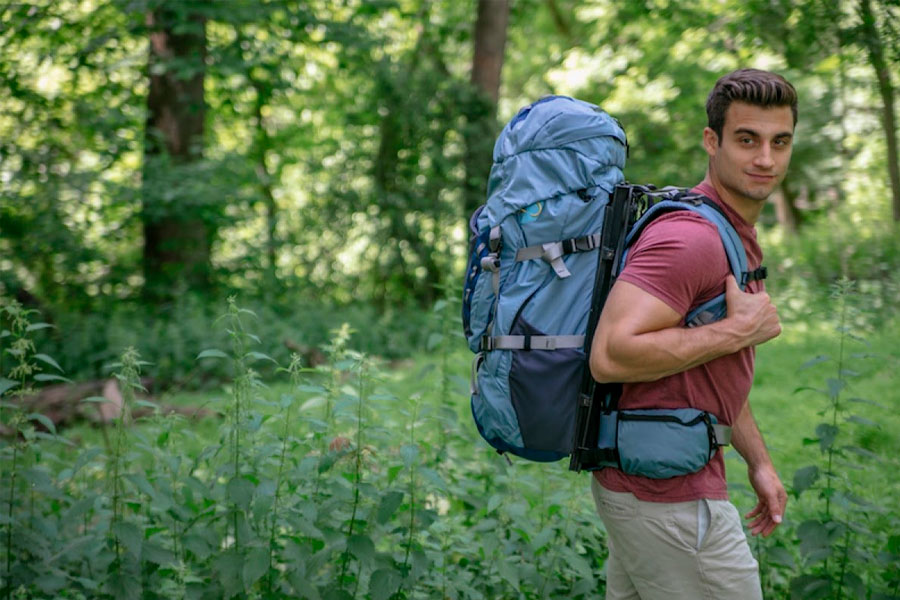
{"x": 753, "y": 86}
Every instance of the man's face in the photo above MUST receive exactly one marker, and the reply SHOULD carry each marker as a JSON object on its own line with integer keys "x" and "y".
{"x": 753, "y": 155}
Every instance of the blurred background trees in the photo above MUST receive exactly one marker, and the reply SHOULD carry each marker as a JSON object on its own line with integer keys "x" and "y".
{"x": 329, "y": 152}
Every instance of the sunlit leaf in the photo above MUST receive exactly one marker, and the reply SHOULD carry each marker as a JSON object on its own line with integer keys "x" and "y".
{"x": 48, "y": 360}
{"x": 211, "y": 353}
{"x": 6, "y": 385}
{"x": 49, "y": 377}
{"x": 43, "y": 420}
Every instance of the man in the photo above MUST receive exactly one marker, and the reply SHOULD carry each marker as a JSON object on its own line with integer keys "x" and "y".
{"x": 681, "y": 537}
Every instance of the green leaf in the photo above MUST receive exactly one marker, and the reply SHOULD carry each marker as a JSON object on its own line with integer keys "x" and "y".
{"x": 810, "y": 587}
{"x": 123, "y": 585}
{"x": 38, "y": 326}
{"x": 156, "y": 554}
{"x": 410, "y": 453}
{"x": 49, "y": 377}
{"x": 43, "y": 420}
{"x": 46, "y": 359}
{"x": 6, "y": 385}
{"x": 240, "y": 491}
{"x": 806, "y": 388}
{"x": 256, "y": 565}
{"x": 804, "y": 478}
{"x": 211, "y": 353}
{"x": 861, "y": 421}
{"x": 834, "y": 387}
{"x": 814, "y": 361}
{"x": 509, "y": 572}
{"x": 383, "y": 583}
{"x": 493, "y": 502}
{"x": 780, "y": 556}
{"x": 96, "y": 399}
{"x": 862, "y": 452}
{"x": 261, "y": 356}
{"x": 389, "y": 504}
{"x": 865, "y": 401}
{"x": 229, "y": 569}
{"x": 434, "y": 340}
{"x": 813, "y": 537}
{"x": 362, "y": 547}
{"x": 827, "y": 433}
{"x": 130, "y": 536}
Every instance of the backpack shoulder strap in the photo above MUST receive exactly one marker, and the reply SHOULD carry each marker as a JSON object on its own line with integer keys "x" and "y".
{"x": 714, "y": 309}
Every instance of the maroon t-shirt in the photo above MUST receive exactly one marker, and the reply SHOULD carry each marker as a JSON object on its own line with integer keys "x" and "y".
{"x": 679, "y": 258}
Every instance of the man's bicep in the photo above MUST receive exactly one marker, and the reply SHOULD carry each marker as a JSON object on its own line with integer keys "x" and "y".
{"x": 630, "y": 310}
{"x": 618, "y": 348}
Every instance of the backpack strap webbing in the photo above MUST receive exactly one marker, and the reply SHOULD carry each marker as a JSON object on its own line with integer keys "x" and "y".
{"x": 531, "y": 342}
{"x": 552, "y": 252}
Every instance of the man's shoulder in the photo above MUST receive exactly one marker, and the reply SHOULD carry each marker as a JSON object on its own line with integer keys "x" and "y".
{"x": 681, "y": 229}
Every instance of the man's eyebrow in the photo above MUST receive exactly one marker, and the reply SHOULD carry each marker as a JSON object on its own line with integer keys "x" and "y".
{"x": 748, "y": 131}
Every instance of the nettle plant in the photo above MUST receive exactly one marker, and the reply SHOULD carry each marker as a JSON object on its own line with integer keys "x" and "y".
{"x": 851, "y": 547}
{"x": 347, "y": 481}
{"x": 23, "y": 476}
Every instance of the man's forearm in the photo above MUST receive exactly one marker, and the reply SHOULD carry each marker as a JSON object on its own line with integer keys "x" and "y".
{"x": 656, "y": 354}
{"x": 748, "y": 441}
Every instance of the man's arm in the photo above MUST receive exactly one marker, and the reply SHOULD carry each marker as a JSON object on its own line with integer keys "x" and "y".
{"x": 639, "y": 337}
{"x": 772, "y": 499}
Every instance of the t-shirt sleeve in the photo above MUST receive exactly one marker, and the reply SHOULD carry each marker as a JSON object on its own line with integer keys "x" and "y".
{"x": 679, "y": 259}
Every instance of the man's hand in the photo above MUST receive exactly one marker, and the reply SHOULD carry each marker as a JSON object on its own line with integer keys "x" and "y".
{"x": 769, "y": 511}
{"x": 753, "y": 316}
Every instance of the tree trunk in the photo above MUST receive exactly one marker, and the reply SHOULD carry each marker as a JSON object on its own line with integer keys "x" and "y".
{"x": 487, "y": 64}
{"x": 177, "y": 239}
{"x": 874, "y": 45}
{"x": 786, "y": 208}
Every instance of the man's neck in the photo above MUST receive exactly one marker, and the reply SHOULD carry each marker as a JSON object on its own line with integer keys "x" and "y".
{"x": 748, "y": 208}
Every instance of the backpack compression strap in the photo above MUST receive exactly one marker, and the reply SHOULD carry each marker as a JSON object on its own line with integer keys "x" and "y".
{"x": 552, "y": 252}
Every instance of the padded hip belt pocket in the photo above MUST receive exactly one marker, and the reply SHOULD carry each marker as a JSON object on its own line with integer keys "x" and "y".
{"x": 661, "y": 443}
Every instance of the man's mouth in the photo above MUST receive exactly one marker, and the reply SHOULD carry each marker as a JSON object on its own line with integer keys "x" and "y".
{"x": 761, "y": 177}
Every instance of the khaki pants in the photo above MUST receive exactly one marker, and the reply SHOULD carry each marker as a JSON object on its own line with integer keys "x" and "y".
{"x": 669, "y": 551}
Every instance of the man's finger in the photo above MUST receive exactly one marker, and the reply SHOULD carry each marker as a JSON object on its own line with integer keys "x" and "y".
{"x": 758, "y": 509}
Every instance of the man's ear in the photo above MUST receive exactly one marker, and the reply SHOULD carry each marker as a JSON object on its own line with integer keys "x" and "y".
{"x": 710, "y": 141}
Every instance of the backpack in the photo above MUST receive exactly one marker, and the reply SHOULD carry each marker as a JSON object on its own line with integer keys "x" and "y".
{"x": 535, "y": 254}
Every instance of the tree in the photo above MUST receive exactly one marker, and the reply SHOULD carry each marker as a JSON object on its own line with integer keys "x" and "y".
{"x": 873, "y": 42}
{"x": 487, "y": 66}
{"x": 177, "y": 234}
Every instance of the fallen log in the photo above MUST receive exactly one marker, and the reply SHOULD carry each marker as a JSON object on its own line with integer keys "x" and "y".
{"x": 64, "y": 404}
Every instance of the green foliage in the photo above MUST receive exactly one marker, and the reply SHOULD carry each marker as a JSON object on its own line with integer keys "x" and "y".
{"x": 308, "y": 492}
{"x": 840, "y": 544}
{"x": 335, "y": 136}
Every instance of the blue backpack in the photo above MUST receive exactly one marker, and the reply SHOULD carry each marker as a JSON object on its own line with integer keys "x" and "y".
{"x": 534, "y": 253}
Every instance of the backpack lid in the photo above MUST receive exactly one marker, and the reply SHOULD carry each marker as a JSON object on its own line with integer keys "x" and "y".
{"x": 554, "y": 146}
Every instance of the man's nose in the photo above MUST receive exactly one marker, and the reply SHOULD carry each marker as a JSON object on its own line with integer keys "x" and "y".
{"x": 763, "y": 158}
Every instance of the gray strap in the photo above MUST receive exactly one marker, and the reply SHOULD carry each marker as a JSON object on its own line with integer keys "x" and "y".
{"x": 552, "y": 252}
{"x": 723, "y": 434}
{"x": 531, "y": 342}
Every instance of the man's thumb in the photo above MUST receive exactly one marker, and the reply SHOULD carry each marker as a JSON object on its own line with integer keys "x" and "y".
{"x": 731, "y": 286}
